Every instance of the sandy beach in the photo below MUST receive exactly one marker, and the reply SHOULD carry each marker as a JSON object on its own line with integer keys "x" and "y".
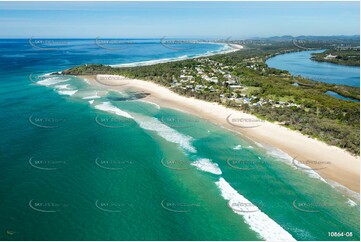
{"x": 232, "y": 48}
{"x": 332, "y": 163}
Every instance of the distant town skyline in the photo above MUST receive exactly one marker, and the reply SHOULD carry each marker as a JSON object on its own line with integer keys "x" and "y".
{"x": 239, "y": 20}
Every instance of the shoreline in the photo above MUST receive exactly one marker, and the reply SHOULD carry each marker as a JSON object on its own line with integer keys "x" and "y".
{"x": 233, "y": 48}
{"x": 341, "y": 167}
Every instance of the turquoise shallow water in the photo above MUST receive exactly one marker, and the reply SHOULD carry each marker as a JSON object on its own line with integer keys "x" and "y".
{"x": 116, "y": 168}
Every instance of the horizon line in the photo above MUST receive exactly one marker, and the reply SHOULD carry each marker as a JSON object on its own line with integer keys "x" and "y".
{"x": 204, "y": 38}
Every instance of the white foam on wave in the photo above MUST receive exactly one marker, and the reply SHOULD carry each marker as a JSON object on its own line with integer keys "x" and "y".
{"x": 151, "y": 62}
{"x": 351, "y": 203}
{"x": 91, "y": 101}
{"x": 169, "y": 134}
{"x": 258, "y": 221}
{"x": 152, "y": 124}
{"x": 154, "y": 104}
{"x": 63, "y": 87}
{"x": 313, "y": 174}
{"x": 52, "y": 81}
{"x": 351, "y": 195}
{"x": 283, "y": 156}
{"x": 238, "y": 147}
{"x": 85, "y": 80}
{"x": 93, "y": 96}
{"x": 164, "y": 131}
{"x": 224, "y": 49}
{"x": 259, "y": 144}
{"x": 108, "y": 107}
{"x": 208, "y": 166}
{"x": 184, "y": 141}
{"x": 67, "y": 92}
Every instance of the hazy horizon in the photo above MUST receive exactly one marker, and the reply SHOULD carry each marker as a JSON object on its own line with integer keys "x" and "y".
{"x": 241, "y": 20}
{"x": 199, "y": 38}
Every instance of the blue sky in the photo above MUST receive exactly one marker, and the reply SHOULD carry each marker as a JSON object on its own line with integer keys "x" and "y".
{"x": 177, "y": 19}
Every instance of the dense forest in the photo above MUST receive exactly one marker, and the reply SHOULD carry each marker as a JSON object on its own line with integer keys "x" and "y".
{"x": 335, "y": 121}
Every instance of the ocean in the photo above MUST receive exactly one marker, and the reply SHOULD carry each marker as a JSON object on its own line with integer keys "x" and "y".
{"x": 87, "y": 163}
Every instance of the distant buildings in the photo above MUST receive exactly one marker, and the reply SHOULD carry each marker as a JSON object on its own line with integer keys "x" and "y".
{"x": 212, "y": 77}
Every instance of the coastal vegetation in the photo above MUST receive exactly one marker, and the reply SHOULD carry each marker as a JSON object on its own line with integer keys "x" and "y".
{"x": 349, "y": 56}
{"x": 241, "y": 80}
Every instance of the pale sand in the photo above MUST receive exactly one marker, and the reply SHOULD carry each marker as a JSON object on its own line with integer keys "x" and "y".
{"x": 341, "y": 166}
